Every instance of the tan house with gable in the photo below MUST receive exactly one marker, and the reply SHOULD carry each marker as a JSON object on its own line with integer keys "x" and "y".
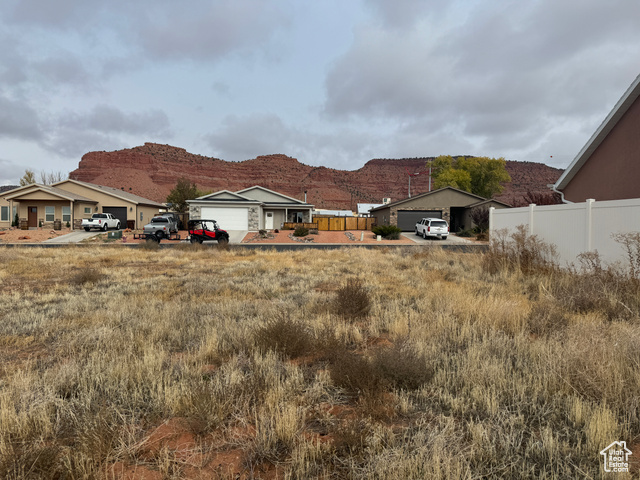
{"x": 253, "y": 208}
{"x": 453, "y": 205}
{"x": 70, "y": 201}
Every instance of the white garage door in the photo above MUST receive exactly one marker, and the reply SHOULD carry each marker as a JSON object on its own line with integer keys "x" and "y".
{"x": 227, "y": 218}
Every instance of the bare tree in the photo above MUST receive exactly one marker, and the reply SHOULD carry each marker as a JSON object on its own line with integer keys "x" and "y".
{"x": 48, "y": 178}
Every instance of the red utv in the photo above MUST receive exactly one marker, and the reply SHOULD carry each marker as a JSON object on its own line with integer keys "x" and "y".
{"x": 203, "y": 230}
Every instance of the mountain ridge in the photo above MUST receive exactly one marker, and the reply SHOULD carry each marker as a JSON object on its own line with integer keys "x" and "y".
{"x": 152, "y": 170}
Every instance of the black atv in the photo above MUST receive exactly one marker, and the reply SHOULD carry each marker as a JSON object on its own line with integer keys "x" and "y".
{"x": 203, "y": 230}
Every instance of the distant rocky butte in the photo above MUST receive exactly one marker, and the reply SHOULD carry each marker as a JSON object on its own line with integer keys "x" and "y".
{"x": 152, "y": 170}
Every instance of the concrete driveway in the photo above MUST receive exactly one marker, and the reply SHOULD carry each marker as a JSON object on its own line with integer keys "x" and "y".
{"x": 236, "y": 236}
{"x": 451, "y": 239}
{"x": 75, "y": 236}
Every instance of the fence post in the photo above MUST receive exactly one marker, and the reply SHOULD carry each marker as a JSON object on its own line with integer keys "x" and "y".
{"x": 491, "y": 227}
{"x": 532, "y": 206}
{"x": 589, "y": 223}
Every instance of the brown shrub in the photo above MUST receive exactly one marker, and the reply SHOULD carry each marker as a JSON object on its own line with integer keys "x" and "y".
{"x": 356, "y": 374}
{"x": 519, "y": 251}
{"x": 402, "y": 366}
{"x": 285, "y": 336}
{"x": 399, "y": 366}
{"x": 150, "y": 244}
{"x": 87, "y": 276}
{"x": 350, "y": 437}
{"x": 593, "y": 287}
{"x": 546, "y": 318}
{"x": 352, "y": 301}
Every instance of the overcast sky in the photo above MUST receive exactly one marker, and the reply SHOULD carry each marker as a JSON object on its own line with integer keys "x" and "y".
{"x": 329, "y": 82}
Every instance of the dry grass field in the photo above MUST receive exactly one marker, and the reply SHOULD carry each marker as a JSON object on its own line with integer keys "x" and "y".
{"x": 394, "y": 363}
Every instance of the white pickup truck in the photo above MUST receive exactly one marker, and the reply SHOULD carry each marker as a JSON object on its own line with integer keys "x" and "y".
{"x": 101, "y": 221}
{"x": 432, "y": 227}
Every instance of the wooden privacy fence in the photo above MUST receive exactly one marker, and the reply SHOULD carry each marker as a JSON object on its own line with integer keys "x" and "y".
{"x": 336, "y": 223}
{"x": 294, "y": 225}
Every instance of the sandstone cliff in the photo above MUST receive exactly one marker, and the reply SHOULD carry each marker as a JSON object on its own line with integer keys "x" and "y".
{"x": 152, "y": 170}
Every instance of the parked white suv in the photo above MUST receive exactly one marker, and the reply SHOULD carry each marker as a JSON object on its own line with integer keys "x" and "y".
{"x": 432, "y": 227}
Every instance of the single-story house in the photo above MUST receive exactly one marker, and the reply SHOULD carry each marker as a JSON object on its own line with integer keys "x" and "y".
{"x": 7, "y": 211}
{"x": 70, "y": 201}
{"x": 363, "y": 208}
{"x": 453, "y": 205}
{"x": 253, "y": 208}
{"x": 608, "y": 166}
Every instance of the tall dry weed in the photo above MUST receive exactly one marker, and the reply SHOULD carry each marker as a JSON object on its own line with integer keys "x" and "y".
{"x": 519, "y": 251}
{"x": 452, "y": 372}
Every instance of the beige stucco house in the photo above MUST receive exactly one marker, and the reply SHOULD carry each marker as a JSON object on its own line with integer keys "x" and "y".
{"x": 253, "y": 208}
{"x": 70, "y": 201}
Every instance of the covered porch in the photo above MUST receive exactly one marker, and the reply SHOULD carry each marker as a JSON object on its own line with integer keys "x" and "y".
{"x": 275, "y": 216}
{"x": 48, "y": 207}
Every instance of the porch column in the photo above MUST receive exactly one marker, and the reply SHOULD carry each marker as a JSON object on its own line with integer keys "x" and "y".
{"x": 71, "y": 224}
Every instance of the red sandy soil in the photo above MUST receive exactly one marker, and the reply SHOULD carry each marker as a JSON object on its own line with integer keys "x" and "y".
{"x": 284, "y": 236}
{"x": 198, "y": 458}
{"x": 15, "y": 235}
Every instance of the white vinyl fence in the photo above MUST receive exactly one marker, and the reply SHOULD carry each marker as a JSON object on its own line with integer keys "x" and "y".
{"x": 574, "y": 228}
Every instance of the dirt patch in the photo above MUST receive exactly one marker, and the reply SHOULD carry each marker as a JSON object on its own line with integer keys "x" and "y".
{"x": 353, "y": 237}
{"x": 175, "y": 435}
{"x": 225, "y": 464}
{"x": 122, "y": 471}
{"x": 15, "y": 352}
{"x": 16, "y": 235}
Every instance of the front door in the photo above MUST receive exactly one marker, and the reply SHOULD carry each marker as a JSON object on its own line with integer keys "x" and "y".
{"x": 33, "y": 217}
{"x": 268, "y": 221}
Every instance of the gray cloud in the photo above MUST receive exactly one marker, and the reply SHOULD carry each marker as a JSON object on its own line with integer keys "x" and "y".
{"x": 59, "y": 14}
{"x": 203, "y": 29}
{"x": 211, "y": 29}
{"x": 500, "y": 78}
{"x": 62, "y": 70}
{"x": 108, "y": 119}
{"x": 245, "y": 137}
{"x": 404, "y": 13}
{"x": 104, "y": 128}
{"x": 10, "y": 172}
{"x": 242, "y": 138}
{"x": 18, "y": 120}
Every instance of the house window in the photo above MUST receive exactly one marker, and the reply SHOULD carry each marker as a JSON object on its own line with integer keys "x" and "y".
{"x": 49, "y": 214}
{"x": 66, "y": 214}
{"x": 87, "y": 210}
{"x": 4, "y": 214}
